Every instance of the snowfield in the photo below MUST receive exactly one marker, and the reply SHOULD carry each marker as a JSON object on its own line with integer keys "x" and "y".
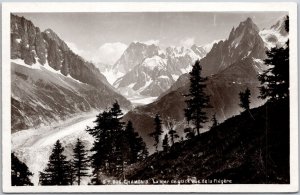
{"x": 34, "y": 146}
{"x": 39, "y": 66}
{"x": 140, "y": 100}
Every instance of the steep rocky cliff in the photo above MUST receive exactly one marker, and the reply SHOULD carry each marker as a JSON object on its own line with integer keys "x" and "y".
{"x": 243, "y": 41}
{"x": 49, "y": 82}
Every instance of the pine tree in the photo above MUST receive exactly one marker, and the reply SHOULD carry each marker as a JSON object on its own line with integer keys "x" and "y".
{"x": 108, "y": 132}
{"x": 287, "y": 23}
{"x": 71, "y": 173}
{"x": 165, "y": 143}
{"x": 117, "y": 157}
{"x": 80, "y": 161}
{"x": 117, "y": 114}
{"x": 157, "y": 131}
{"x": 143, "y": 154}
{"x": 136, "y": 145}
{"x": 275, "y": 80}
{"x": 102, "y": 144}
{"x": 170, "y": 124}
{"x": 245, "y": 99}
{"x": 197, "y": 99}
{"x": 126, "y": 144}
{"x": 19, "y": 172}
{"x": 214, "y": 121}
{"x": 56, "y": 172}
{"x": 173, "y": 135}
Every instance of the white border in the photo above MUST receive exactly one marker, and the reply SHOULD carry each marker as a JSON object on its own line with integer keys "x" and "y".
{"x": 290, "y": 7}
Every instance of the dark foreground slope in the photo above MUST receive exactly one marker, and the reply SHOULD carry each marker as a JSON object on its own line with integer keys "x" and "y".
{"x": 245, "y": 149}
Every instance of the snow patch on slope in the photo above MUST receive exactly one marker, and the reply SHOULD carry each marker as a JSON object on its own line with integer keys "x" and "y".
{"x": 272, "y": 38}
{"x": 22, "y": 63}
{"x": 112, "y": 75}
{"x": 148, "y": 82}
{"x": 141, "y": 100}
{"x": 186, "y": 70}
{"x": 39, "y": 66}
{"x": 175, "y": 77}
{"x": 155, "y": 62}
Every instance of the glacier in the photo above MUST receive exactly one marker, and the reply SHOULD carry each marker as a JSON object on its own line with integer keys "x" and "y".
{"x": 34, "y": 146}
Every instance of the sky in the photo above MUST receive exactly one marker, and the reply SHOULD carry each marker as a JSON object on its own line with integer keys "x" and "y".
{"x": 103, "y": 37}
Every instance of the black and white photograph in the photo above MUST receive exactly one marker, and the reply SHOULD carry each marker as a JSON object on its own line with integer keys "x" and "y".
{"x": 149, "y": 97}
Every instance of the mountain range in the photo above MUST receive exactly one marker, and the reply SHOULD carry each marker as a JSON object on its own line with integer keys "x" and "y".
{"x": 145, "y": 69}
{"x": 231, "y": 66}
{"x": 49, "y": 82}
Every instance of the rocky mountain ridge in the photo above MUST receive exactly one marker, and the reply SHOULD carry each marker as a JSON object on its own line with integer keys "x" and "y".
{"x": 243, "y": 41}
{"x": 46, "y": 48}
{"x": 146, "y": 76}
{"x": 49, "y": 82}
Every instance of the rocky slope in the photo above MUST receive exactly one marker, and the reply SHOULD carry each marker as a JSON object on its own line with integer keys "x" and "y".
{"x": 49, "y": 81}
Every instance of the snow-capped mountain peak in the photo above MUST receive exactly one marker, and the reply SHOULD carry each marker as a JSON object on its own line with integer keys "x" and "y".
{"x": 280, "y": 26}
{"x": 243, "y": 41}
{"x": 156, "y": 62}
{"x": 158, "y": 69}
{"x": 276, "y": 35}
{"x": 134, "y": 55}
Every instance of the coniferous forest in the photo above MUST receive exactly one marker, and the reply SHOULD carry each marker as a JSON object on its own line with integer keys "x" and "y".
{"x": 251, "y": 147}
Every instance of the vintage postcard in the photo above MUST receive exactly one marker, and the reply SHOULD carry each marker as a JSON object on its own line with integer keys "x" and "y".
{"x": 149, "y": 97}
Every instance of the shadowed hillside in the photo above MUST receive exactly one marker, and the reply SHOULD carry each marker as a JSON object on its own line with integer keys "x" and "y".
{"x": 245, "y": 149}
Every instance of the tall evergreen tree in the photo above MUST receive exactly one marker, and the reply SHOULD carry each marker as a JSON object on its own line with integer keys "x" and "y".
{"x": 173, "y": 135}
{"x": 20, "y": 175}
{"x": 56, "y": 172}
{"x": 197, "y": 99}
{"x": 275, "y": 80}
{"x": 80, "y": 161}
{"x": 245, "y": 99}
{"x": 116, "y": 159}
{"x": 108, "y": 156}
{"x": 165, "y": 143}
{"x": 143, "y": 154}
{"x": 157, "y": 131}
{"x": 170, "y": 124}
{"x": 102, "y": 144}
{"x": 71, "y": 172}
{"x": 136, "y": 144}
{"x": 287, "y": 23}
{"x": 117, "y": 114}
{"x": 214, "y": 121}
